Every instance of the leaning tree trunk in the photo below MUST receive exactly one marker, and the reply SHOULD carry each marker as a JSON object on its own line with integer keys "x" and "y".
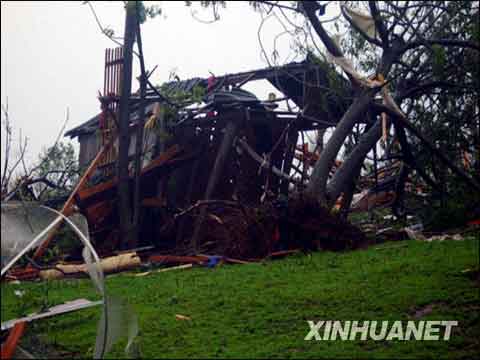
{"x": 319, "y": 141}
{"x": 318, "y": 181}
{"x": 346, "y": 172}
{"x": 349, "y": 192}
{"x": 398, "y": 206}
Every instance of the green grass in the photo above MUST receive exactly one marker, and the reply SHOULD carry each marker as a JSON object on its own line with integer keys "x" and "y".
{"x": 261, "y": 310}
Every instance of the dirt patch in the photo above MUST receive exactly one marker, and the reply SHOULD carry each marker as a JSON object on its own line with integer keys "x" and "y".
{"x": 419, "y": 312}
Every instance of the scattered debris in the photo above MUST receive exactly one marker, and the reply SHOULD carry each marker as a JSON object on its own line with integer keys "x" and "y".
{"x": 182, "y": 317}
{"x": 391, "y": 247}
{"x": 31, "y": 237}
{"x": 179, "y": 267}
{"x": 417, "y": 235}
{"x": 67, "y": 307}
{"x": 422, "y": 311}
{"x": 456, "y": 237}
{"x": 109, "y": 265}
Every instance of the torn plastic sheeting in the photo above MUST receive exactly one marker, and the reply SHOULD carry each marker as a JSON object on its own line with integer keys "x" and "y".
{"x": 25, "y": 225}
{"x": 347, "y": 66}
{"x": 117, "y": 316}
{"x": 69, "y": 306}
{"x": 22, "y": 222}
{"x": 116, "y": 321}
{"x": 367, "y": 25}
{"x": 363, "y": 21}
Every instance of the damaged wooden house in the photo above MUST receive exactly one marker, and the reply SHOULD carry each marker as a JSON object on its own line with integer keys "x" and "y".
{"x": 207, "y": 139}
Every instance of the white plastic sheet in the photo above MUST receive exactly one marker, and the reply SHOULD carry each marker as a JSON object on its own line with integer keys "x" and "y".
{"x": 25, "y": 225}
{"x": 363, "y": 21}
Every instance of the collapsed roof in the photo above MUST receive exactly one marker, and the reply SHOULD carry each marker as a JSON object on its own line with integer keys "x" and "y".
{"x": 302, "y": 82}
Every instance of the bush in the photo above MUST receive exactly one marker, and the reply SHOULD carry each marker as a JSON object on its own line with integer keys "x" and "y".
{"x": 460, "y": 206}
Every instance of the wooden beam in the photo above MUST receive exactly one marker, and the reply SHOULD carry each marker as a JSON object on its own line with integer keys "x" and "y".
{"x": 67, "y": 208}
{"x": 160, "y": 160}
{"x": 139, "y": 140}
{"x": 267, "y": 164}
{"x": 8, "y": 348}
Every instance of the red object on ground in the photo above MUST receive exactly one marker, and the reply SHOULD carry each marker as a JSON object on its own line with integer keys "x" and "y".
{"x": 9, "y": 346}
{"x": 283, "y": 253}
{"x": 28, "y": 273}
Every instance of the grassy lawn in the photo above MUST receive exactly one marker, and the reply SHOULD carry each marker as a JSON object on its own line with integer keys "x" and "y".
{"x": 261, "y": 310}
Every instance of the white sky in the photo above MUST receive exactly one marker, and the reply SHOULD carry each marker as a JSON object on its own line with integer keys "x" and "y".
{"x": 52, "y": 56}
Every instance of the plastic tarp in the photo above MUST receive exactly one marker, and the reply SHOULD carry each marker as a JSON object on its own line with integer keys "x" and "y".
{"x": 25, "y": 225}
{"x": 363, "y": 21}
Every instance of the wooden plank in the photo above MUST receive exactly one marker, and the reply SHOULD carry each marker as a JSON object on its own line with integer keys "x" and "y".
{"x": 99, "y": 211}
{"x": 111, "y": 184}
{"x": 8, "y": 348}
{"x": 179, "y": 267}
{"x": 88, "y": 192}
{"x": 22, "y": 274}
{"x": 153, "y": 202}
{"x": 265, "y": 163}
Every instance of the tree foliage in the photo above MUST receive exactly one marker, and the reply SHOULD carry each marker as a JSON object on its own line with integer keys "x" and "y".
{"x": 56, "y": 173}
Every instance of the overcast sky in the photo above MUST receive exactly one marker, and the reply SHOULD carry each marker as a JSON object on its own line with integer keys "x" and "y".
{"x": 52, "y": 56}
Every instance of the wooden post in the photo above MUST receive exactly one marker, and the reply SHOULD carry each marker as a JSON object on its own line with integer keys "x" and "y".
{"x": 133, "y": 240}
{"x": 124, "y": 204}
{"x": 231, "y": 131}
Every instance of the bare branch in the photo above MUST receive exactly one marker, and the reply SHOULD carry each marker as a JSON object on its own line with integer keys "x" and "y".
{"x": 379, "y": 24}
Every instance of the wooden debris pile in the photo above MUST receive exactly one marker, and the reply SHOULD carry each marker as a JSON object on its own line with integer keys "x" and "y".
{"x": 245, "y": 232}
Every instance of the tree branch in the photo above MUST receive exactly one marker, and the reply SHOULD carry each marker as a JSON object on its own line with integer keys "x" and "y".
{"x": 352, "y": 23}
{"x": 379, "y": 24}
{"x": 443, "y": 42}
